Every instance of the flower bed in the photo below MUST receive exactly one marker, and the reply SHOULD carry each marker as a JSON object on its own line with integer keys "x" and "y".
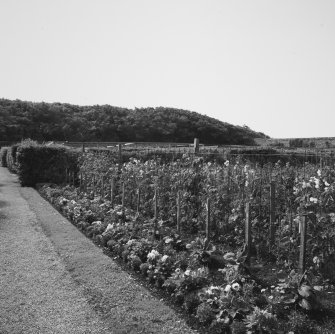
{"x": 212, "y": 283}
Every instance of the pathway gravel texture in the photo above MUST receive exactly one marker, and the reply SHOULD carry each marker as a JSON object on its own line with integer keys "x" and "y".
{"x": 55, "y": 280}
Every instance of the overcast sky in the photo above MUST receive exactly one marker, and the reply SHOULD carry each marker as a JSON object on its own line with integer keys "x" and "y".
{"x": 263, "y": 63}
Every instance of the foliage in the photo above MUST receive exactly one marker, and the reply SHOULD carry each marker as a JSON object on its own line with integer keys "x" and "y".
{"x": 66, "y": 122}
{"x": 3, "y": 156}
{"x": 41, "y": 163}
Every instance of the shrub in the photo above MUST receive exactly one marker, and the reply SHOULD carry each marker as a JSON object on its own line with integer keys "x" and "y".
{"x": 40, "y": 163}
{"x": 11, "y": 160}
{"x": 3, "y": 156}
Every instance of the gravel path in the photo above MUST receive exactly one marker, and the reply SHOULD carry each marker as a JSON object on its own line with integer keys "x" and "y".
{"x": 54, "y": 280}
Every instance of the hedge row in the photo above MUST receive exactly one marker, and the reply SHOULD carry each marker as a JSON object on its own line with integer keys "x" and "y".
{"x": 38, "y": 163}
{"x": 3, "y": 156}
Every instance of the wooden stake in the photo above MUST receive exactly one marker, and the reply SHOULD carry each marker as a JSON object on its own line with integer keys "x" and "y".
{"x": 196, "y": 145}
{"x": 272, "y": 211}
{"x": 138, "y": 200}
{"x": 178, "y": 212}
{"x": 112, "y": 191}
{"x": 123, "y": 193}
{"x": 93, "y": 184}
{"x": 247, "y": 232}
{"x": 208, "y": 222}
{"x": 102, "y": 186}
{"x": 302, "y": 250}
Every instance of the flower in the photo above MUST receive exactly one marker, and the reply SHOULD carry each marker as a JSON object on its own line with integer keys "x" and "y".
{"x": 227, "y": 288}
{"x": 313, "y": 200}
{"x": 152, "y": 255}
{"x": 226, "y": 163}
{"x": 319, "y": 172}
{"x": 187, "y": 272}
{"x": 164, "y": 258}
{"x": 235, "y": 286}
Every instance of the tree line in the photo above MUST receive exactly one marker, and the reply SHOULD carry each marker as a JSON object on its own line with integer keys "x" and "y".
{"x": 66, "y": 122}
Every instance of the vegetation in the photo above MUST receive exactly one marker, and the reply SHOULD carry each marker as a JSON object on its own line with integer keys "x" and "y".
{"x": 66, "y": 122}
{"x": 35, "y": 163}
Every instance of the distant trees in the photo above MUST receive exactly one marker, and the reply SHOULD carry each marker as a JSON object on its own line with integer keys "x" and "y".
{"x": 57, "y": 121}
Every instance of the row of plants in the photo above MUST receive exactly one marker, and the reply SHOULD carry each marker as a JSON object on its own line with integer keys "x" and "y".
{"x": 212, "y": 283}
{"x": 211, "y": 280}
{"x": 305, "y": 191}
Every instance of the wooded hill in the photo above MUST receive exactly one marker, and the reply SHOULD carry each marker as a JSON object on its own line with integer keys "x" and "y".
{"x": 66, "y": 122}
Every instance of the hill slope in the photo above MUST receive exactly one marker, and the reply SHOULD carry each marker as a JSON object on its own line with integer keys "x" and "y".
{"x": 60, "y": 121}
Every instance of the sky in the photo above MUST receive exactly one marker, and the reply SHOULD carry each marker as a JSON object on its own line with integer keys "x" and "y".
{"x": 267, "y": 64}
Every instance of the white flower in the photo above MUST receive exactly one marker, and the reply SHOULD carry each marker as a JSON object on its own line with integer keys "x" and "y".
{"x": 226, "y": 163}
{"x": 227, "y": 288}
{"x": 109, "y": 227}
{"x": 313, "y": 200}
{"x": 164, "y": 258}
{"x": 187, "y": 272}
{"x": 316, "y": 260}
{"x": 319, "y": 172}
{"x": 153, "y": 254}
{"x": 235, "y": 286}
{"x": 188, "y": 246}
{"x": 326, "y": 183}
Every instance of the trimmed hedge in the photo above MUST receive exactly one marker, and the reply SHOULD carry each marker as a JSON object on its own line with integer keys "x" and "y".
{"x": 3, "y": 156}
{"x": 11, "y": 158}
{"x": 44, "y": 164}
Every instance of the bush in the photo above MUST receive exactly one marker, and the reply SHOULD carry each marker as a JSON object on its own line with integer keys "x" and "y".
{"x": 40, "y": 163}
{"x": 3, "y": 156}
{"x": 11, "y": 158}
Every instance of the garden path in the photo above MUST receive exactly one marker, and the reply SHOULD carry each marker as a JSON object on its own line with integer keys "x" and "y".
{"x": 54, "y": 280}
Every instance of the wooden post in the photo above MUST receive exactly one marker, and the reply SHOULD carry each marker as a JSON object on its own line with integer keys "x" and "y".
{"x": 80, "y": 181}
{"x": 73, "y": 178}
{"x": 302, "y": 250}
{"x": 138, "y": 200}
{"x": 208, "y": 222}
{"x": 102, "y": 186}
{"x": 83, "y": 148}
{"x": 123, "y": 193}
{"x": 196, "y": 145}
{"x": 272, "y": 211}
{"x": 155, "y": 204}
{"x": 93, "y": 182}
{"x": 112, "y": 191}
{"x": 120, "y": 155}
{"x": 247, "y": 232}
{"x": 178, "y": 212}
{"x": 155, "y": 214}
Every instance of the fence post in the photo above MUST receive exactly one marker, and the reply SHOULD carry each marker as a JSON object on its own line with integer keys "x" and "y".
{"x": 302, "y": 250}
{"x": 196, "y": 145}
{"x": 272, "y": 211}
{"x": 178, "y": 212}
{"x": 80, "y": 181}
{"x": 247, "y": 232}
{"x": 83, "y": 148}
